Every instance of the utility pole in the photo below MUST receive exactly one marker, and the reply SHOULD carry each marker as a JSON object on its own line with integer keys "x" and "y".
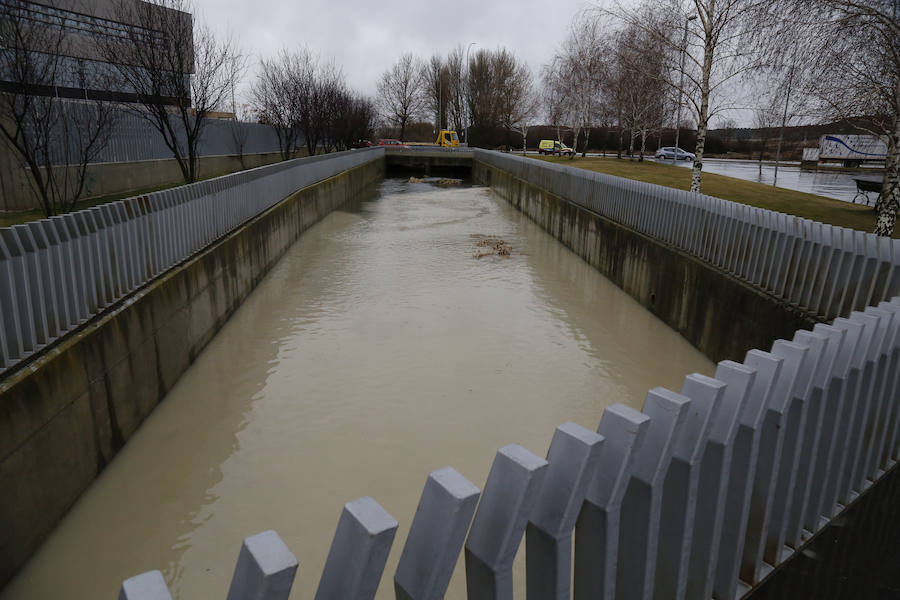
{"x": 466, "y": 99}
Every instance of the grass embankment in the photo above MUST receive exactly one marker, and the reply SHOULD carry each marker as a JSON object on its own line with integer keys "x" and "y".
{"x": 809, "y": 206}
{"x": 8, "y": 219}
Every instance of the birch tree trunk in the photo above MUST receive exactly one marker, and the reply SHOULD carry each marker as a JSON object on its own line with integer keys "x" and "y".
{"x": 703, "y": 117}
{"x": 889, "y": 200}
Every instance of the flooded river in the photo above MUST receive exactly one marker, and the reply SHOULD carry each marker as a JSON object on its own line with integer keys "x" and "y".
{"x": 377, "y": 350}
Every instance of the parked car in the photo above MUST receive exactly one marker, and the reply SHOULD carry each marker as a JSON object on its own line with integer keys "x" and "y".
{"x": 553, "y": 147}
{"x": 669, "y": 152}
{"x": 360, "y": 144}
{"x": 393, "y": 143}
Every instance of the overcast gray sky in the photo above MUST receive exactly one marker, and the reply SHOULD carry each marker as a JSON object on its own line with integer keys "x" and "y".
{"x": 366, "y": 37}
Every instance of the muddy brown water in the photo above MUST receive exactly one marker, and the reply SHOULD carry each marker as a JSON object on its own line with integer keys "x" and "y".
{"x": 377, "y": 350}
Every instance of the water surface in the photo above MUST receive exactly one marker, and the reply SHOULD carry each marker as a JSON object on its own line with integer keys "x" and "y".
{"x": 377, "y": 350}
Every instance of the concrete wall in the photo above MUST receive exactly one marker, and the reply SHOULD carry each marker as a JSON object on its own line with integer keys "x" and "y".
{"x": 103, "y": 179}
{"x": 65, "y": 416}
{"x": 720, "y": 315}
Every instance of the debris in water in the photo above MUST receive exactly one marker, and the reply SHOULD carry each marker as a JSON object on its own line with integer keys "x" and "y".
{"x": 440, "y": 181}
{"x": 491, "y": 246}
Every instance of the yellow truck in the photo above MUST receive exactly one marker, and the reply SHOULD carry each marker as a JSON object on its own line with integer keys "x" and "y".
{"x": 447, "y": 139}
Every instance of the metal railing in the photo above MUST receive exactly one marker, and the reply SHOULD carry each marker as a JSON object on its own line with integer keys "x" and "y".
{"x": 133, "y": 138}
{"x": 698, "y": 495}
{"x": 57, "y": 273}
{"x": 825, "y": 269}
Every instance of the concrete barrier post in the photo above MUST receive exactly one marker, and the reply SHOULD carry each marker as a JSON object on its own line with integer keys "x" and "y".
{"x": 848, "y": 374}
{"x": 714, "y": 474}
{"x": 597, "y": 527}
{"x": 511, "y": 491}
{"x": 640, "y": 513}
{"x": 265, "y": 569}
{"x": 146, "y": 586}
{"x": 744, "y": 454}
{"x": 863, "y": 404}
{"x": 679, "y": 487}
{"x": 793, "y": 429}
{"x": 821, "y": 357}
{"x": 572, "y": 460}
{"x": 822, "y": 463}
{"x": 877, "y": 420}
{"x": 769, "y": 458}
{"x": 358, "y": 552}
{"x": 436, "y": 536}
{"x": 893, "y": 391}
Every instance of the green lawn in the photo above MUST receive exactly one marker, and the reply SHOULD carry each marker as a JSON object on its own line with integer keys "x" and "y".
{"x": 810, "y": 206}
{"x": 8, "y": 219}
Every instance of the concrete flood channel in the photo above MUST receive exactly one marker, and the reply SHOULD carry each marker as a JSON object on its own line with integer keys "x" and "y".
{"x": 394, "y": 338}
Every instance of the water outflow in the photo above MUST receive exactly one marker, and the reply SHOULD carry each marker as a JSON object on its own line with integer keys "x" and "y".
{"x": 377, "y": 350}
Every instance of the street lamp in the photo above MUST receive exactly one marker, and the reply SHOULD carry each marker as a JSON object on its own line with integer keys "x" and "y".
{"x": 681, "y": 88}
{"x": 468, "y": 116}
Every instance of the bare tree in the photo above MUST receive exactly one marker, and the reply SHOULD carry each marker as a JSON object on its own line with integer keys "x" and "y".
{"x": 456, "y": 88}
{"x": 239, "y": 130}
{"x": 436, "y": 88}
{"x": 275, "y": 99}
{"x": 714, "y": 38}
{"x": 400, "y": 97}
{"x": 640, "y": 79}
{"x": 55, "y": 138}
{"x": 854, "y": 51}
{"x": 578, "y": 72}
{"x": 765, "y": 119}
{"x": 179, "y": 72}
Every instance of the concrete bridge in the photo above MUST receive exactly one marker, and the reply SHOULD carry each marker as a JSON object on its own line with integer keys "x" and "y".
{"x": 700, "y": 494}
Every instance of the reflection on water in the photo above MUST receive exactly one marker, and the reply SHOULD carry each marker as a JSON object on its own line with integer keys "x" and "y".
{"x": 837, "y": 185}
{"x": 377, "y": 350}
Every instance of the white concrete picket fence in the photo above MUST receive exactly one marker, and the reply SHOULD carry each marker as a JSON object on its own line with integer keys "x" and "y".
{"x": 57, "y": 273}
{"x": 825, "y": 269}
{"x": 697, "y": 496}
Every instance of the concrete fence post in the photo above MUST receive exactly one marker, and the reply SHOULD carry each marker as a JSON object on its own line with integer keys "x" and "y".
{"x": 572, "y": 460}
{"x": 744, "y": 453}
{"x": 892, "y": 391}
{"x": 805, "y": 403}
{"x": 769, "y": 458}
{"x": 511, "y": 491}
{"x": 360, "y": 548}
{"x": 862, "y": 405}
{"x": 714, "y": 474}
{"x": 793, "y": 429}
{"x": 597, "y": 527}
{"x": 679, "y": 488}
{"x": 436, "y": 537}
{"x": 640, "y": 513}
{"x": 819, "y": 462}
{"x": 265, "y": 569}
{"x": 146, "y": 586}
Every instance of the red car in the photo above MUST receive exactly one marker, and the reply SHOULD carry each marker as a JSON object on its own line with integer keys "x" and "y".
{"x": 392, "y": 143}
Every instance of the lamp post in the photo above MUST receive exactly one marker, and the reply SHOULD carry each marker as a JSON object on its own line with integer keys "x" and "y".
{"x": 466, "y": 100}
{"x": 681, "y": 88}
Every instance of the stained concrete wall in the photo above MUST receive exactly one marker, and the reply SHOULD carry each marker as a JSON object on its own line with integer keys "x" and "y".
{"x": 103, "y": 179}
{"x": 720, "y": 315}
{"x": 64, "y": 416}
